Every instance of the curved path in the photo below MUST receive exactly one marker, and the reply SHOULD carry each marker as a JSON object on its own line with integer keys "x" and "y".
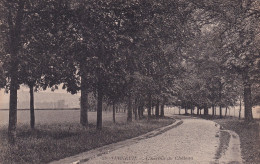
{"x": 194, "y": 141}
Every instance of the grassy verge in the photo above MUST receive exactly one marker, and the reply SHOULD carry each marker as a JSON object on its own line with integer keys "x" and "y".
{"x": 249, "y": 138}
{"x": 248, "y": 133}
{"x": 52, "y": 142}
{"x": 224, "y": 141}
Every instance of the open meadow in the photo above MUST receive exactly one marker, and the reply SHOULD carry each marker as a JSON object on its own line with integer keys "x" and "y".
{"x": 72, "y": 116}
{"x": 58, "y": 134}
{"x": 58, "y": 116}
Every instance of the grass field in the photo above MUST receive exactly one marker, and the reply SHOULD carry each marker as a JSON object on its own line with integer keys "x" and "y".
{"x": 57, "y": 116}
{"x": 59, "y": 135}
{"x": 72, "y": 116}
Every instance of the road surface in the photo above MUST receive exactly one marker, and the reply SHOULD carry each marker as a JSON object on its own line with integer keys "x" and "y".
{"x": 194, "y": 141}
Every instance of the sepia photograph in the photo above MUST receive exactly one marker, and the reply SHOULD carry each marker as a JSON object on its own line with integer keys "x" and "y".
{"x": 129, "y": 81}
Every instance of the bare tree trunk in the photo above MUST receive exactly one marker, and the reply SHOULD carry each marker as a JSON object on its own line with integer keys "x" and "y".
{"x": 142, "y": 111}
{"x": 99, "y": 106}
{"x": 240, "y": 108}
{"x": 13, "y": 107}
{"x": 213, "y": 112}
{"x": 247, "y": 96}
{"x": 149, "y": 106}
{"x": 32, "y": 116}
{"x": 114, "y": 112}
{"x": 186, "y": 110}
{"x": 135, "y": 108}
{"x": 15, "y": 37}
{"x": 248, "y": 103}
{"x": 135, "y": 112}
{"x": 220, "y": 111}
{"x": 84, "y": 97}
{"x": 226, "y": 112}
{"x": 162, "y": 110}
{"x": 179, "y": 110}
{"x": 206, "y": 110}
{"x": 139, "y": 112}
{"x": 198, "y": 110}
{"x": 157, "y": 110}
{"x": 220, "y": 99}
{"x": 129, "y": 109}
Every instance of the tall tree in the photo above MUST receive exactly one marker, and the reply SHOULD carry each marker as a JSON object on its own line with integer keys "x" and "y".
{"x": 12, "y": 17}
{"x": 237, "y": 23}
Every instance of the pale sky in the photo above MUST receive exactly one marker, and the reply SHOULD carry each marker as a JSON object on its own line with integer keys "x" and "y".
{"x": 4, "y": 97}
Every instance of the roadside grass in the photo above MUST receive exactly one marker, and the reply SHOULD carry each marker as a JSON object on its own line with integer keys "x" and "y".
{"x": 249, "y": 137}
{"x": 56, "y": 141}
{"x": 224, "y": 141}
{"x": 248, "y": 133}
